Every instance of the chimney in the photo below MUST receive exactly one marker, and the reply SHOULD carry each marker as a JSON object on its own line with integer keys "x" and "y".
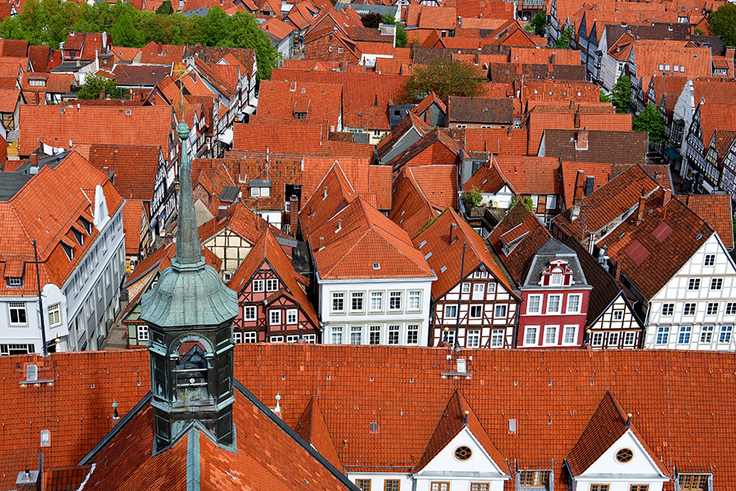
{"x": 104, "y": 42}
{"x": 28, "y": 481}
{"x": 640, "y": 212}
{"x": 666, "y": 197}
{"x": 575, "y": 210}
{"x": 617, "y": 270}
{"x": 552, "y": 58}
{"x": 221, "y": 213}
{"x": 293, "y": 214}
{"x": 324, "y": 196}
{"x": 572, "y": 105}
{"x": 579, "y": 184}
{"x": 582, "y": 141}
{"x": 577, "y": 118}
{"x": 453, "y": 232}
{"x": 34, "y": 160}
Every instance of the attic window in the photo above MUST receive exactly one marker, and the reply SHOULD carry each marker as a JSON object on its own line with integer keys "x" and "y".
{"x": 374, "y": 427}
{"x": 86, "y": 224}
{"x": 127, "y": 112}
{"x": 32, "y": 373}
{"x": 376, "y": 265}
{"x": 422, "y": 243}
{"x": 45, "y": 438}
{"x": 68, "y": 251}
{"x": 624, "y": 455}
{"x": 463, "y": 453}
{"x": 78, "y": 236}
{"x": 14, "y": 281}
{"x": 37, "y": 83}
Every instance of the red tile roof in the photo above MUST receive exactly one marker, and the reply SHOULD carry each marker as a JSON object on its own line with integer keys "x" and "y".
{"x": 545, "y": 55}
{"x": 446, "y": 256}
{"x": 438, "y": 183}
{"x": 242, "y": 221}
{"x": 321, "y": 102}
{"x": 648, "y": 56}
{"x": 312, "y": 428}
{"x": 715, "y": 209}
{"x": 497, "y": 141}
{"x": 283, "y": 138}
{"x": 349, "y": 244}
{"x": 58, "y": 125}
{"x": 132, "y": 216}
{"x": 367, "y": 117}
{"x": 9, "y": 100}
{"x": 531, "y": 175}
{"x": 134, "y": 167}
{"x": 411, "y": 209}
{"x": 277, "y": 28}
{"x": 489, "y": 179}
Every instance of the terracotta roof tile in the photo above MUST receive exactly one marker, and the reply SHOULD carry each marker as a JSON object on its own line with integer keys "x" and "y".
{"x": 367, "y": 117}
{"x": 277, "y": 28}
{"x": 438, "y": 183}
{"x": 320, "y": 102}
{"x": 489, "y": 179}
{"x": 135, "y": 167}
{"x": 411, "y": 209}
{"x": 531, "y": 175}
{"x": 715, "y": 209}
{"x": 312, "y": 428}
{"x": 132, "y": 216}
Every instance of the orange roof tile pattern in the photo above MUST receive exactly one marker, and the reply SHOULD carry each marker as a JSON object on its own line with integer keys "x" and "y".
{"x": 489, "y": 179}
{"x": 696, "y": 62}
{"x": 715, "y": 209}
{"x": 312, "y": 428}
{"x": 320, "y": 102}
{"x": 408, "y": 390}
{"x": 358, "y": 236}
{"x": 135, "y": 167}
{"x": 411, "y": 209}
{"x": 132, "y": 216}
{"x": 438, "y": 183}
{"x": 531, "y": 175}
{"x": 446, "y": 245}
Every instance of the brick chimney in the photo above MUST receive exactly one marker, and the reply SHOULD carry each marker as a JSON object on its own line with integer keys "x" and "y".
{"x": 28, "y": 481}
{"x": 640, "y": 212}
{"x": 666, "y": 197}
{"x": 617, "y": 270}
{"x": 581, "y": 143}
{"x": 577, "y": 117}
{"x": 34, "y": 160}
{"x": 221, "y": 213}
{"x": 293, "y": 214}
{"x": 453, "y": 232}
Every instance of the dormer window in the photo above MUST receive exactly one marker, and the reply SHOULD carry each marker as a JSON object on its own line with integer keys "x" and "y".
{"x": 534, "y": 479}
{"x": 556, "y": 279}
{"x": 557, "y": 274}
{"x": 14, "y": 281}
{"x": 692, "y": 482}
{"x": 78, "y": 236}
{"x": 86, "y": 224}
{"x": 68, "y": 250}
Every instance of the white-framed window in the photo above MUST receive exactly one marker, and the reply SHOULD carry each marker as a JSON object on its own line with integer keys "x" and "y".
{"x": 712, "y": 308}
{"x": 491, "y": 288}
{"x": 276, "y": 339}
{"x": 693, "y": 284}
{"x": 668, "y": 309}
{"x": 479, "y": 291}
{"x": 573, "y": 303}
{"x": 337, "y": 335}
{"x": 415, "y": 300}
{"x": 250, "y": 337}
{"x": 17, "y": 313}
{"x": 356, "y": 301}
{"x": 618, "y": 315}
{"x": 450, "y": 311}
{"x": 258, "y": 286}
{"x": 706, "y": 334}
{"x": 14, "y": 281}
{"x": 237, "y": 337}
{"x": 731, "y": 308}
{"x": 533, "y": 305}
{"x": 476, "y": 311}
{"x": 689, "y": 309}
{"x": 249, "y": 313}
{"x": 292, "y": 338}
{"x": 142, "y": 332}
{"x": 272, "y": 285}
{"x": 374, "y": 335}
{"x": 473, "y": 339}
{"x": 274, "y": 317}
{"x": 356, "y": 334}
{"x": 497, "y": 338}
{"x": 716, "y": 283}
{"x": 724, "y": 336}
{"x": 613, "y": 340}
{"x": 553, "y": 304}
{"x": 710, "y": 260}
{"x": 310, "y": 338}
{"x": 530, "y": 335}
{"x": 550, "y": 335}
{"x": 338, "y": 302}
{"x": 629, "y": 338}
{"x": 466, "y": 288}
{"x": 376, "y": 301}
{"x": 412, "y": 334}
{"x": 555, "y": 279}
{"x": 684, "y": 335}
{"x": 394, "y": 300}
{"x": 663, "y": 334}
{"x": 597, "y": 339}
{"x": 54, "y": 315}
{"x": 570, "y": 335}
{"x": 500, "y": 312}
{"x": 292, "y": 316}
{"x": 393, "y": 334}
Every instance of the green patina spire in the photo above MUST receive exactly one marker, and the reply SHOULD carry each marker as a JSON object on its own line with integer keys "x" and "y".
{"x": 188, "y": 248}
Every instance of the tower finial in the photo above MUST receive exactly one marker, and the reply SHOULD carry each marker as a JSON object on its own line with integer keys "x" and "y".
{"x": 188, "y": 248}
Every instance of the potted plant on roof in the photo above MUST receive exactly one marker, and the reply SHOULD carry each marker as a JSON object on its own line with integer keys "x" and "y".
{"x": 473, "y": 201}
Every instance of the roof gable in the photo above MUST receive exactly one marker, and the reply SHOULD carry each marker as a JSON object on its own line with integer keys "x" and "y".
{"x": 312, "y": 428}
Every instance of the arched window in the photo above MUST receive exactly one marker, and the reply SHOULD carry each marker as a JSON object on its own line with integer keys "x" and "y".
{"x": 192, "y": 373}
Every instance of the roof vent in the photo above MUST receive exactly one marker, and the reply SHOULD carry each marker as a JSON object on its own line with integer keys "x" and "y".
{"x": 45, "y": 438}
{"x": 462, "y": 366}
{"x": 374, "y": 427}
{"x": 376, "y": 265}
{"x": 512, "y": 426}
{"x": 699, "y": 236}
{"x": 32, "y": 372}
{"x": 127, "y": 112}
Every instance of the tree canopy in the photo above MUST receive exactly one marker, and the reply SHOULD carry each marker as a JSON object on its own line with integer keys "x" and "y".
{"x": 400, "y": 31}
{"x": 565, "y": 40}
{"x": 621, "y": 94}
{"x": 96, "y": 85}
{"x": 538, "y": 22}
{"x": 722, "y": 22}
{"x": 49, "y": 22}
{"x": 444, "y": 77}
{"x": 650, "y": 120}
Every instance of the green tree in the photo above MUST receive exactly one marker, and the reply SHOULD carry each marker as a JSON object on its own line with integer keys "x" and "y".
{"x": 245, "y": 33}
{"x": 722, "y": 22}
{"x": 165, "y": 8}
{"x": 538, "y": 22}
{"x": 650, "y": 120}
{"x": 95, "y": 84}
{"x": 371, "y": 20}
{"x": 565, "y": 40}
{"x": 61, "y": 17}
{"x": 472, "y": 198}
{"x": 400, "y": 31}
{"x": 604, "y": 97}
{"x": 215, "y": 26}
{"x": 698, "y": 31}
{"x": 444, "y": 77}
{"x": 621, "y": 94}
{"x": 125, "y": 30}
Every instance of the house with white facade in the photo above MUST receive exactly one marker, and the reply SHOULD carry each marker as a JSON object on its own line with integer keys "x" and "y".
{"x": 81, "y": 258}
{"x": 679, "y": 271}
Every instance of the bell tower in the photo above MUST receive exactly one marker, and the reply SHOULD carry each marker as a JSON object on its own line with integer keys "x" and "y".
{"x": 189, "y": 315}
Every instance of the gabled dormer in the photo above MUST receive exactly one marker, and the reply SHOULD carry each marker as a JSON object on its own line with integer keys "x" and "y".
{"x": 557, "y": 273}
{"x": 612, "y": 453}
{"x": 460, "y": 451}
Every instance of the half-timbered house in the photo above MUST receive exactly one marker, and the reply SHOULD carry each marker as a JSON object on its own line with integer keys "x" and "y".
{"x": 272, "y": 303}
{"x": 480, "y": 310}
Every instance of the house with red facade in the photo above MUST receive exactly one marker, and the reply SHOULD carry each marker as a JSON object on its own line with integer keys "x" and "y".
{"x": 555, "y": 299}
{"x": 272, "y": 303}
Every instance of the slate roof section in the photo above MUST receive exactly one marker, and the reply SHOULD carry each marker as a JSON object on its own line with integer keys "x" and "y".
{"x": 553, "y": 249}
{"x": 355, "y": 238}
{"x": 661, "y": 256}
{"x": 715, "y": 209}
{"x": 524, "y": 225}
{"x": 608, "y": 423}
{"x": 446, "y": 256}
{"x": 451, "y": 423}
{"x": 480, "y": 110}
{"x": 608, "y": 147}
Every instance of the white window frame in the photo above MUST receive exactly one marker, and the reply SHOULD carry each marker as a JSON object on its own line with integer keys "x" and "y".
{"x": 479, "y": 291}
{"x": 292, "y": 316}
{"x": 141, "y": 332}
{"x": 258, "y": 286}
{"x": 337, "y": 296}
{"x": 465, "y": 288}
{"x": 497, "y": 315}
{"x": 412, "y": 330}
{"x": 237, "y": 337}
{"x": 272, "y": 285}
{"x": 565, "y": 330}
{"x": 556, "y": 330}
{"x": 336, "y": 335}
{"x": 450, "y": 311}
{"x": 247, "y": 311}
{"x": 473, "y": 339}
{"x": 414, "y": 302}
{"x": 491, "y": 288}
{"x": 360, "y": 296}
{"x": 478, "y": 310}
{"x": 376, "y": 297}
{"x": 596, "y": 339}
{"x": 54, "y": 315}
{"x": 497, "y": 334}
{"x": 274, "y": 317}
{"x": 395, "y": 295}
{"x": 529, "y": 304}
{"x": 559, "y": 304}
{"x": 18, "y": 307}
{"x": 579, "y": 298}
{"x": 527, "y": 330}
{"x": 276, "y": 339}
{"x": 356, "y": 330}
{"x": 250, "y": 337}
{"x": 394, "y": 332}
